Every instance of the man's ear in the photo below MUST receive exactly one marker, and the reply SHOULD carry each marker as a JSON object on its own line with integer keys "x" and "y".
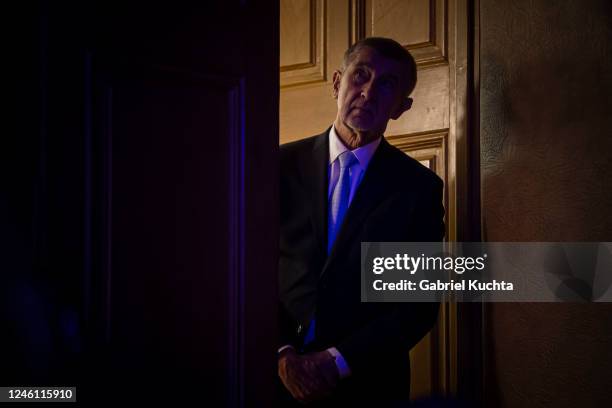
{"x": 405, "y": 104}
{"x": 336, "y": 82}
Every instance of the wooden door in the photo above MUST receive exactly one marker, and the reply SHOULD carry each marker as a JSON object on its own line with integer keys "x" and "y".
{"x": 314, "y": 36}
{"x": 156, "y": 198}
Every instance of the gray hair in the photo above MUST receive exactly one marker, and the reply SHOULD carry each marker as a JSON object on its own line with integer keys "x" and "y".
{"x": 387, "y": 48}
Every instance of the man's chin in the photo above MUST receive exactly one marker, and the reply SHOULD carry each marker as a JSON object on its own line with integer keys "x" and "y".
{"x": 361, "y": 125}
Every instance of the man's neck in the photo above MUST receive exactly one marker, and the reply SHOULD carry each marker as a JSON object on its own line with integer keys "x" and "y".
{"x": 353, "y": 138}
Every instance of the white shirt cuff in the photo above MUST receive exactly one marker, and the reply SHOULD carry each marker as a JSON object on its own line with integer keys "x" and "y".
{"x": 286, "y": 346}
{"x": 341, "y": 363}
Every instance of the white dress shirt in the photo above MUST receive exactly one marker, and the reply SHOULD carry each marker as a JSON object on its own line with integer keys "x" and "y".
{"x": 364, "y": 155}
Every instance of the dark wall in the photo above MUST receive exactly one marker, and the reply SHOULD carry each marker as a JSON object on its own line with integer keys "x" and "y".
{"x": 545, "y": 104}
{"x": 138, "y": 196}
{"x": 37, "y": 305}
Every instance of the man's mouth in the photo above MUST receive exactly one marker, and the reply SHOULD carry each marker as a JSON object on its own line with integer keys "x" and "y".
{"x": 361, "y": 109}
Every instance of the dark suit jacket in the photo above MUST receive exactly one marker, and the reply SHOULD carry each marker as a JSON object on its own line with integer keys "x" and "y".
{"x": 398, "y": 200}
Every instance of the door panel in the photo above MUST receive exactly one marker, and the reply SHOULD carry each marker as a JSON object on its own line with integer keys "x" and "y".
{"x": 170, "y": 234}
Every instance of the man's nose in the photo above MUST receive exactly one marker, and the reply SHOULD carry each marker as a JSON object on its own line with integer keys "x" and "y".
{"x": 367, "y": 91}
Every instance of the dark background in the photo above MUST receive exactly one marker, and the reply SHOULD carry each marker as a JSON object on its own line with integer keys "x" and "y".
{"x": 139, "y": 185}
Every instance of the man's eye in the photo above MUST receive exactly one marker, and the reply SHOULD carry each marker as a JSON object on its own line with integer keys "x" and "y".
{"x": 360, "y": 75}
{"x": 388, "y": 84}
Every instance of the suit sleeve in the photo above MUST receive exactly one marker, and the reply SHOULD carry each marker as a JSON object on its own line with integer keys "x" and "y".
{"x": 286, "y": 333}
{"x": 395, "y": 332}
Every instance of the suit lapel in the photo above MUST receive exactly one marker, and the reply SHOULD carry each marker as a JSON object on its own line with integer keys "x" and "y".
{"x": 375, "y": 186}
{"x": 315, "y": 175}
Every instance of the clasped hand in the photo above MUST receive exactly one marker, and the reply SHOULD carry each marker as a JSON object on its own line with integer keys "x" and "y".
{"x": 308, "y": 377}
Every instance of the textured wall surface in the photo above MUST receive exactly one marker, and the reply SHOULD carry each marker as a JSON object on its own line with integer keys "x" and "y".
{"x": 546, "y": 154}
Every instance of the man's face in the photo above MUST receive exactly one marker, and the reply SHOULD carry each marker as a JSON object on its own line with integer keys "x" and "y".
{"x": 370, "y": 91}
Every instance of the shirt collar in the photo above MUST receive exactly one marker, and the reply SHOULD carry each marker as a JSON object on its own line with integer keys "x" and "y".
{"x": 364, "y": 153}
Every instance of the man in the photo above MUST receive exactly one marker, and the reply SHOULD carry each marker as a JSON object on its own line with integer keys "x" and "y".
{"x": 342, "y": 187}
